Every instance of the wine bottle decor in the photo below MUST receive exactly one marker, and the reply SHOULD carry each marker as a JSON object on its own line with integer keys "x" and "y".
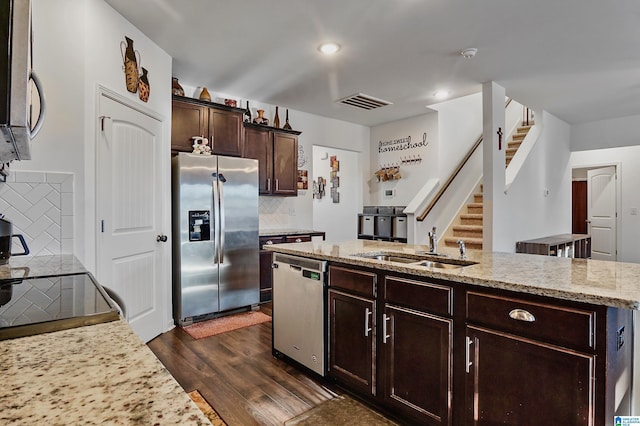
{"x": 247, "y": 114}
{"x": 276, "y": 119}
{"x": 286, "y": 121}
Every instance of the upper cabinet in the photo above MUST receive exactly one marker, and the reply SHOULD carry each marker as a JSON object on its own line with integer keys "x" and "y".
{"x": 220, "y": 124}
{"x": 277, "y": 153}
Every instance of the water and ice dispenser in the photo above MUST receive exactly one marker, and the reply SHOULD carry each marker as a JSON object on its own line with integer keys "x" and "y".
{"x": 199, "y": 225}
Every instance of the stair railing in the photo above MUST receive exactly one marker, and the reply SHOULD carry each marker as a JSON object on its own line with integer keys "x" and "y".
{"x": 455, "y": 173}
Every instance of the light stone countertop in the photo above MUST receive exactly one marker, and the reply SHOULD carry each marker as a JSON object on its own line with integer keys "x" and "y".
{"x": 92, "y": 375}
{"x": 614, "y": 284}
{"x": 285, "y": 231}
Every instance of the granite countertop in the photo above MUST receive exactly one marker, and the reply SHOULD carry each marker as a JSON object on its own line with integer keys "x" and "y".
{"x": 99, "y": 374}
{"x": 286, "y": 231}
{"x": 614, "y": 284}
{"x": 41, "y": 266}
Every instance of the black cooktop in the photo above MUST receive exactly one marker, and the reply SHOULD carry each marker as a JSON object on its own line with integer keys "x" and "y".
{"x": 39, "y": 305}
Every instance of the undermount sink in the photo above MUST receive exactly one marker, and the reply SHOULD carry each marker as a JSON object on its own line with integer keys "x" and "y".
{"x": 429, "y": 261}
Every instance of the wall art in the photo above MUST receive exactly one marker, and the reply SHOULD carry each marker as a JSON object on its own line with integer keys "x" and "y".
{"x": 136, "y": 77}
{"x": 303, "y": 179}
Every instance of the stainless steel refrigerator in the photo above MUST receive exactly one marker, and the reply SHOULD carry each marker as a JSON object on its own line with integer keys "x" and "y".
{"x": 215, "y": 235}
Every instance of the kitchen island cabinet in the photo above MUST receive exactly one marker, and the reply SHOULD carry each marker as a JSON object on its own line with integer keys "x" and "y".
{"x": 507, "y": 339}
{"x": 352, "y": 325}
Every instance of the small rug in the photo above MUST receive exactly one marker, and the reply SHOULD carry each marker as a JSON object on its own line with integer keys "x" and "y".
{"x": 206, "y": 409}
{"x": 340, "y": 410}
{"x": 220, "y": 325}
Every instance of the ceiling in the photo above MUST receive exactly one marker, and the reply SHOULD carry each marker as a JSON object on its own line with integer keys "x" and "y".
{"x": 577, "y": 59}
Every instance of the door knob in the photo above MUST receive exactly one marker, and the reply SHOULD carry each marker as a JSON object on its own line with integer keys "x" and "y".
{"x": 162, "y": 238}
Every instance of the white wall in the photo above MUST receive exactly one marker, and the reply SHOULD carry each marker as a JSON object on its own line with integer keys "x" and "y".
{"x": 611, "y": 133}
{"x": 401, "y": 137}
{"x": 529, "y": 212}
{"x": 76, "y": 48}
{"x": 338, "y": 220}
{"x": 629, "y": 175}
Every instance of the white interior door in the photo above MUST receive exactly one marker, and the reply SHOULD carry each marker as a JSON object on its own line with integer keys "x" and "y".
{"x": 601, "y": 212}
{"x": 129, "y": 214}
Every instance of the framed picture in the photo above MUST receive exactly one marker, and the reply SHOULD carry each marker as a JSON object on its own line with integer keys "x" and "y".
{"x": 335, "y": 195}
{"x": 303, "y": 179}
{"x": 335, "y": 181}
{"x": 335, "y": 164}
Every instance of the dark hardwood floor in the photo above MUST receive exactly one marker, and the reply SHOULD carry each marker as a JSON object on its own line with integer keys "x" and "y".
{"x": 237, "y": 374}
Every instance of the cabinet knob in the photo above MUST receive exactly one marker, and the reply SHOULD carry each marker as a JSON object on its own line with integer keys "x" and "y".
{"x": 298, "y": 240}
{"x": 269, "y": 242}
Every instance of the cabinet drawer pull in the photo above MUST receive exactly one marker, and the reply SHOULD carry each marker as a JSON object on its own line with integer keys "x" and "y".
{"x": 385, "y": 336}
{"x": 269, "y": 242}
{"x": 522, "y": 315}
{"x": 468, "y": 362}
{"x": 367, "y": 329}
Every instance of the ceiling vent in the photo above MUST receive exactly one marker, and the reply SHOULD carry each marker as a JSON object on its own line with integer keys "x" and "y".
{"x": 362, "y": 101}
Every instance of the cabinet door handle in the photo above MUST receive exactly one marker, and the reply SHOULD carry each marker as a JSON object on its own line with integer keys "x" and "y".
{"x": 268, "y": 184}
{"x": 277, "y": 184}
{"x": 521, "y": 315}
{"x": 385, "y": 336}
{"x": 468, "y": 362}
{"x": 367, "y": 329}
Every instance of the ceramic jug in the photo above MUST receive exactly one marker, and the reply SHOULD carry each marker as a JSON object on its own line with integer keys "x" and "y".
{"x": 130, "y": 65}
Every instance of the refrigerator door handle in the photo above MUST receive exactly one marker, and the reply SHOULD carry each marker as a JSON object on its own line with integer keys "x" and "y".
{"x": 215, "y": 229}
{"x": 221, "y": 212}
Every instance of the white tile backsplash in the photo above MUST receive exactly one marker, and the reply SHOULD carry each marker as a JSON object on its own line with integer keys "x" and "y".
{"x": 40, "y": 206}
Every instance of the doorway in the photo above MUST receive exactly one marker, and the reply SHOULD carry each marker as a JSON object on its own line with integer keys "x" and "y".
{"x": 336, "y": 211}
{"x": 595, "y": 203}
{"x": 130, "y": 212}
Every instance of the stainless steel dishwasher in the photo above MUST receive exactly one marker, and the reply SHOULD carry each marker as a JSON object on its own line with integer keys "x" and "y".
{"x": 298, "y": 310}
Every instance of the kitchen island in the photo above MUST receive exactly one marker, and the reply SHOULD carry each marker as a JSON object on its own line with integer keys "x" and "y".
{"x": 94, "y": 374}
{"x": 496, "y": 338}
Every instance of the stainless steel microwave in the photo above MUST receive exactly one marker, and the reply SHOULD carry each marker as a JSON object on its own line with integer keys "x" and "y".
{"x": 21, "y": 96}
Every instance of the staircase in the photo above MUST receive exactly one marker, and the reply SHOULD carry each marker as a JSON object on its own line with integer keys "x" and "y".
{"x": 516, "y": 141}
{"x": 470, "y": 228}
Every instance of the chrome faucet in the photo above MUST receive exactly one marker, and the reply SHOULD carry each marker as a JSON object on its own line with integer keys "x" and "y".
{"x": 433, "y": 241}
{"x": 463, "y": 249}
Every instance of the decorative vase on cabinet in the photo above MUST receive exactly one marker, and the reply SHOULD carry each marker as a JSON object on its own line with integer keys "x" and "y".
{"x": 176, "y": 89}
{"x": 204, "y": 95}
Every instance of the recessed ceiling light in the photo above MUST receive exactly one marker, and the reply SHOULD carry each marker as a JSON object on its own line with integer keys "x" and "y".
{"x": 441, "y": 94}
{"x": 329, "y": 48}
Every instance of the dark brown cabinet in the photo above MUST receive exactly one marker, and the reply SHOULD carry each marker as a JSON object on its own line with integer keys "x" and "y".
{"x": 417, "y": 350}
{"x": 517, "y": 381}
{"x": 485, "y": 357}
{"x": 266, "y": 258}
{"x": 352, "y": 329}
{"x": 277, "y": 153}
{"x": 220, "y": 124}
{"x": 352, "y": 343}
{"x": 532, "y": 361}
